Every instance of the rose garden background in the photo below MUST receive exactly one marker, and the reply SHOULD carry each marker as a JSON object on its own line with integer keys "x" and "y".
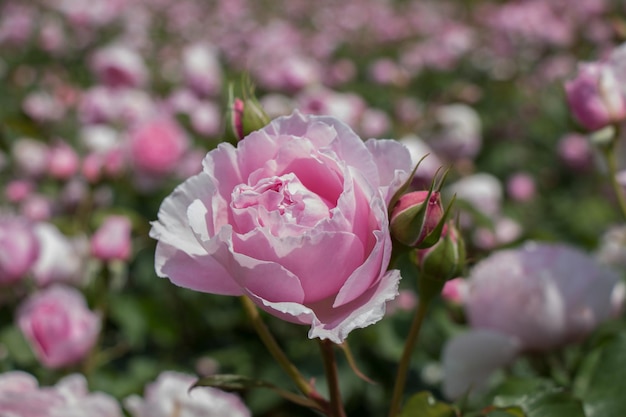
{"x": 107, "y": 106}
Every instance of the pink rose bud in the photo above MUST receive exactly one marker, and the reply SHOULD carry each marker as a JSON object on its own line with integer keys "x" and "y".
{"x": 30, "y": 156}
{"x": 441, "y": 262}
{"x": 63, "y": 161}
{"x": 157, "y": 146}
{"x": 416, "y": 216}
{"x": 246, "y": 115}
{"x": 112, "y": 240}
{"x": 58, "y": 325}
{"x": 521, "y": 187}
{"x": 169, "y": 396}
{"x": 594, "y": 96}
{"x": 18, "y": 190}
{"x": 19, "y": 248}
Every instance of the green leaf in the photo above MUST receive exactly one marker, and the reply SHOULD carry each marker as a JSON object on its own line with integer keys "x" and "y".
{"x": 424, "y": 404}
{"x": 553, "y": 402}
{"x": 601, "y": 378}
{"x": 229, "y": 382}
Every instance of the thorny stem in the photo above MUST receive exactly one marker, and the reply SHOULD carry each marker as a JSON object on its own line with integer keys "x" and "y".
{"x": 405, "y": 361}
{"x": 330, "y": 366}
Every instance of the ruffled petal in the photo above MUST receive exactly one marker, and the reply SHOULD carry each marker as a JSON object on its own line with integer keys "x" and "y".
{"x": 336, "y": 323}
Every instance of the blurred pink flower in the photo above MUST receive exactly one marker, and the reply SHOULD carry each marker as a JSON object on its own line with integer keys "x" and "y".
{"x": 30, "y": 156}
{"x": 594, "y": 96}
{"x": 275, "y": 209}
{"x": 119, "y": 66}
{"x": 455, "y": 291}
{"x": 521, "y": 187}
{"x": 63, "y": 161}
{"x": 201, "y": 69}
{"x": 58, "y": 325}
{"x": 575, "y": 151}
{"x": 60, "y": 258}
{"x": 459, "y": 132}
{"x": 157, "y": 146}
{"x": 169, "y": 396}
{"x": 534, "y": 298}
{"x": 20, "y": 396}
{"x": 19, "y": 248}
{"x": 112, "y": 240}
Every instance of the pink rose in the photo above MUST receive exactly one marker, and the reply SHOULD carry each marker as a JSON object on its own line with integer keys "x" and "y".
{"x": 58, "y": 325}
{"x": 19, "y": 248}
{"x": 157, "y": 146}
{"x": 295, "y": 218}
{"x": 169, "y": 396}
{"x": 21, "y": 396}
{"x": 531, "y": 299}
{"x": 594, "y": 96}
{"x": 112, "y": 239}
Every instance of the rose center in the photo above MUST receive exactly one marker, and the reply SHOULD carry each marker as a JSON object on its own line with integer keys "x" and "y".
{"x": 277, "y": 202}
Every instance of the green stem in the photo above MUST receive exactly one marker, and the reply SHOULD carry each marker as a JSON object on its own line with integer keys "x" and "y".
{"x": 330, "y": 366}
{"x": 405, "y": 361}
{"x": 277, "y": 353}
{"x": 611, "y": 159}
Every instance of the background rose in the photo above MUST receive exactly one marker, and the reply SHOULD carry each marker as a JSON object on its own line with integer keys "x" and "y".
{"x": 21, "y": 396}
{"x": 169, "y": 396}
{"x": 58, "y": 325}
{"x": 535, "y": 298}
{"x": 295, "y": 218}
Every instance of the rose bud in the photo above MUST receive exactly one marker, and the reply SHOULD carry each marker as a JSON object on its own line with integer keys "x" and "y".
{"x": 246, "y": 115}
{"x": 19, "y": 248}
{"x": 441, "y": 262}
{"x": 58, "y": 325}
{"x": 416, "y": 216}
{"x": 594, "y": 96}
{"x": 112, "y": 239}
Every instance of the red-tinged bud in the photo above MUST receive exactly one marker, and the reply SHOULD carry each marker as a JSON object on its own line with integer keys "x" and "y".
{"x": 416, "y": 216}
{"x": 441, "y": 262}
{"x": 246, "y": 115}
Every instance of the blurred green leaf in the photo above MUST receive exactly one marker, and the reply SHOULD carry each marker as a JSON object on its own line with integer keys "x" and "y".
{"x": 601, "y": 377}
{"x": 424, "y": 404}
{"x": 17, "y": 346}
{"x": 547, "y": 402}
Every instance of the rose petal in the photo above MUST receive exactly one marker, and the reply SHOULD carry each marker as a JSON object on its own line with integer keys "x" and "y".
{"x": 196, "y": 272}
{"x": 301, "y": 256}
{"x": 393, "y": 162}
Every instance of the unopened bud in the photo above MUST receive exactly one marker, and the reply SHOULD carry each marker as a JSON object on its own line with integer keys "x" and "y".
{"x": 441, "y": 262}
{"x": 417, "y": 215}
{"x": 246, "y": 116}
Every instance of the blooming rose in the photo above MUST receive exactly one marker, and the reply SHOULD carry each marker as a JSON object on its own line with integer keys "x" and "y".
{"x": 112, "y": 240}
{"x": 19, "y": 248}
{"x": 295, "y": 218}
{"x": 531, "y": 299}
{"x": 169, "y": 396}
{"x": 58, "y": 325}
